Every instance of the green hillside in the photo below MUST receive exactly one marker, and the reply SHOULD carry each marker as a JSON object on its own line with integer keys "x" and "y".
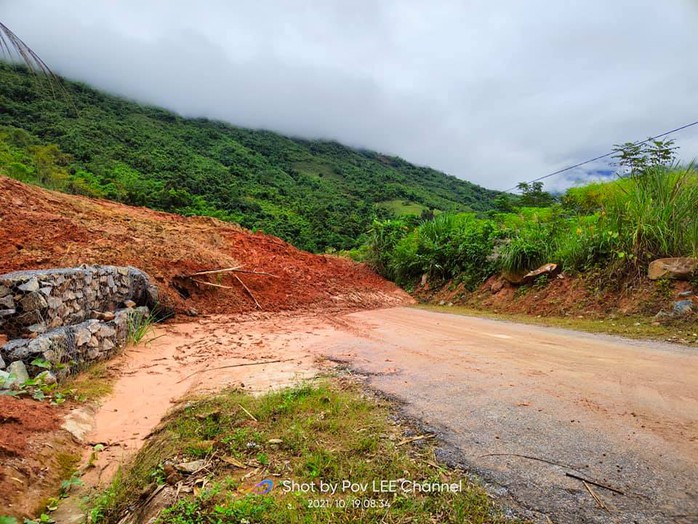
{"x": 315, "y": 194}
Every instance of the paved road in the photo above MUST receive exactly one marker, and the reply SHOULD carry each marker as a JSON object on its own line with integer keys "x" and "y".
{"x": 524, "y": 405}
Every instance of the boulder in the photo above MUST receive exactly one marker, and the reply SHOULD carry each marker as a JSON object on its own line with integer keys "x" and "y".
{"x": 546, "y": 269}
{"x": 683, "y": 307}
{"x": 19, "y": 370}
{"x": 682, "y": 268}
{"x": 527, "y": 278}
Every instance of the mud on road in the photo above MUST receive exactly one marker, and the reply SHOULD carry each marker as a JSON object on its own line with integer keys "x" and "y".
{"x": 519, "y": 405}
{"x": 523, "y": 406}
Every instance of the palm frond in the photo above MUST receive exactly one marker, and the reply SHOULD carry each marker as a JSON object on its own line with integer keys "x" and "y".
{"x": 12, "y": 47}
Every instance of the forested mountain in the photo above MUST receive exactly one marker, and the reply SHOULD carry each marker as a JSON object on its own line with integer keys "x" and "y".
{"x": 315, "y": 194}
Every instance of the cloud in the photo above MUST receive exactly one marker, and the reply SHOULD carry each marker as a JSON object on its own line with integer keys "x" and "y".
{"x": 493, "y": 92}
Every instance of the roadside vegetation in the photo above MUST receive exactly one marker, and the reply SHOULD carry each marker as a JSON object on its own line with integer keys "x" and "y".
{"x": 230, "y": 457}
{"x": 609, "y": 229}
{"x": 317, "y": 195}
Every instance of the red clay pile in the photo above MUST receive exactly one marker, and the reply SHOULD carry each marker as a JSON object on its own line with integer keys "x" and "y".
{"x": 43, "y": 229}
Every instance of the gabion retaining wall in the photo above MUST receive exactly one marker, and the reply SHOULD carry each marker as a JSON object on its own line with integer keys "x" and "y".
{"x": 69, "y": 317}
{"x": 68, "y": 347}
{"x": 35, "y": 301}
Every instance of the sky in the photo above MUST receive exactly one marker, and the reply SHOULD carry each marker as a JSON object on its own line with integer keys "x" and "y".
{"x": 492, "y": 92}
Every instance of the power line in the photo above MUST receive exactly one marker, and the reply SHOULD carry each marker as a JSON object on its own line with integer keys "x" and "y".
{"x": 603, "y": 156}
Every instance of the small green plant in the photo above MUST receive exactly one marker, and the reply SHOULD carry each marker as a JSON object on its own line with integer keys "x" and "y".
{"x": 140, "y": 324}
{"x": 68, "y": 484}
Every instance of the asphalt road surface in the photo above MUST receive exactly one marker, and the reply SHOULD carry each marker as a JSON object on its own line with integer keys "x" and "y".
{"x": 526, "y": 406}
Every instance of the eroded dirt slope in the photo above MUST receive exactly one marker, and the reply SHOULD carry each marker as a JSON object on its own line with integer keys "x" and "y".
{"x": 41, "y": 229}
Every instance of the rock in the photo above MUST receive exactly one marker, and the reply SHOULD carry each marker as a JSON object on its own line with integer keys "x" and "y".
{"x": 152, "y": 295}
{"x": 19, "y": 370}
{"x": 7, "y": 302}
{"x": 681, "y": 268}
{"x": 545, "y": 269}
{"x": 496, "y": 287}
{"x": 46, "y": 291}
{"x": 33, "y": 301}
{"x": 190, "y": 467}
{"x": 46, "y": 377}
{"x": 30, "y": 286}
{"x": 683, "y": 307}
{"x": 5, "y": 381}
{"x": 78, "y": 423}
{"x": 2, "y": 363}
{"x": 37, "y": 329}
{"x": 686, "y": 293}
{"x": 105, "y": 331}
{"x": 129, "y": 304}
{"x": 275, "y": 441}
{"x": 82, "y": 336}
{"x": 7, "y": 312}
{"x": 54, "y": 303}
{"x": 192, "y": 312}
{"x": 4, "y": 291}
{"x": 108, "y": 315}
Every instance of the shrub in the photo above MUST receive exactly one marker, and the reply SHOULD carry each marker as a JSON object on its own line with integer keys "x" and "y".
{"x": 528, "y": 249}
{"x": 383, "y": 237}
{"x": 449, "y": 246}
{"x": 585, "y": 244}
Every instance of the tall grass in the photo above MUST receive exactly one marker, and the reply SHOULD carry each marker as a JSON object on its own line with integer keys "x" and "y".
{"x": 656, "y": 214}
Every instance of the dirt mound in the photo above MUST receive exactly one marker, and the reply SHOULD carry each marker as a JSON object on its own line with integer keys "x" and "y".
{"x": 41, "y": 229}
{"x": 17, "y": 423}
{"x": 35, "y": 455}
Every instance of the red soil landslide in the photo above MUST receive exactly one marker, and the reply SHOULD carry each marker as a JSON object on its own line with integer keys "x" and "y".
{"x": 43, "y": 229}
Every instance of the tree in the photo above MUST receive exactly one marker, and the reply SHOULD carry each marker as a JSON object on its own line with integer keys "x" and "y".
{"x": 532, "y": 195}
{"x": 638, "y": 157}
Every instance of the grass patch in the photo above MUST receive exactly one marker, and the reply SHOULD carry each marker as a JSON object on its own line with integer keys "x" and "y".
{"x": 307, "y": 434}
{"x": 403, "y": 207}
{"x": 632, "y": 326}
{"x": 92, "y": 383}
